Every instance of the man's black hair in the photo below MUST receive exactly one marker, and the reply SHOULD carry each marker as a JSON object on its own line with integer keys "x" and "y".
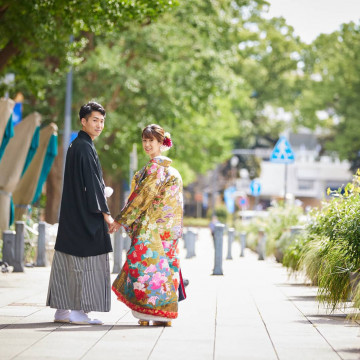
{"x": 87, "y": 109}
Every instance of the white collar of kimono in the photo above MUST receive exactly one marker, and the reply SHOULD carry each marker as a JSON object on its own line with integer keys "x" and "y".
{"x": 161, "y": 160}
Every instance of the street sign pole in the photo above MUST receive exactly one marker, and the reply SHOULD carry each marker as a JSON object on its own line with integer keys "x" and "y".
{"x": 285, "y": 182}
{"x": 283, "y": 154}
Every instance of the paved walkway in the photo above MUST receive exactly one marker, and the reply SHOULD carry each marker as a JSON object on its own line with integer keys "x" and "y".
{"x": 252, "y": 312}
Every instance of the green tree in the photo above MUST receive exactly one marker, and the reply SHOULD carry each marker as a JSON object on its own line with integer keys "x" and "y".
{"x": 33, "y": 27}
{"x": 188, "y": 71}
{"x": 330, "y": 96}
{"x": 269, "y": 58}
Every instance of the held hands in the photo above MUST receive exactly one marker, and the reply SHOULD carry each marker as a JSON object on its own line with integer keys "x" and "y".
{"x": 115, "y": 226}
{"x": 108, "y": 219}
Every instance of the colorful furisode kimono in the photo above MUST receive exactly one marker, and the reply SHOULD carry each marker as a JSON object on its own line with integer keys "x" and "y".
{"x": 149, "y": 280}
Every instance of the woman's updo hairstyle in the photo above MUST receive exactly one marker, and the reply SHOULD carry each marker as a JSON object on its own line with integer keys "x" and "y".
{"x": 157, "y": 132}
{"x": 153, "y": 131}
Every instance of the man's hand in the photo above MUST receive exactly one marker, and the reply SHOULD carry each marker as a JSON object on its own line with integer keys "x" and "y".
{"x": 115, "y": 226}
{"x": 108, "y": 219}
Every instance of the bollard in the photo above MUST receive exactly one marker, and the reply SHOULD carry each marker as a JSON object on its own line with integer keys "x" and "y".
{"x": 118, "y": 249}
{"x": 242, "y": 243}
{"x": 19, "y": 246}
{"x": 231, "y": 235}
{"x": 296, "y": 229}
{"x": 187, "y": 244}
{"x": 219, "y": 232}
{"x": 127, "y": 241}
{"x": 41, "y": 246}
{"x": 184, "y": 237}
{"x": 8, "y": 250}
{"x": 193, "y": 236}
{"x": 190, "y": 244}
{"x": 262, "y": 245}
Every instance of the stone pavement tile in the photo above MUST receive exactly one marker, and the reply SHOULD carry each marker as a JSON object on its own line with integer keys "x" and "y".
{"x": 125, "y": 340}
{"x": 70, "y": 341}
{"x": 15, "y": 287}
{"x": 289, "y": 330}
{"x": 244, "y": 314}
{"x": 8, "y": 320}
{"x": 285, "y": 324}
{"x": 240, "y": 329}
{"x": 343, "y": 335}
{"x": 60, "y": 341}
{"x": 24, "y": 333}
{"x": 193, "y": 332}
{"x": 18, "y": 310}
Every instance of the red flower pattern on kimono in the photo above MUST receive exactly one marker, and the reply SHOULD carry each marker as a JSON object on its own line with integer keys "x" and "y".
{"x": 140, "y": 295}
{"x": 134, "y": 273}
{"x": 176, "y": 263}
{"x": 171, "y": 253}
{"x": 126, "y": 266}
{"x": 139, "y": 251}
{"x": 165, "y": 235}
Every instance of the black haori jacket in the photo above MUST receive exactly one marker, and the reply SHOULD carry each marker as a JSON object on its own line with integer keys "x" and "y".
{"x": 82, "y": 228}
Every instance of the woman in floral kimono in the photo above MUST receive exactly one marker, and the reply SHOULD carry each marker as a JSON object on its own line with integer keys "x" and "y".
{"x": 149, "y": 280}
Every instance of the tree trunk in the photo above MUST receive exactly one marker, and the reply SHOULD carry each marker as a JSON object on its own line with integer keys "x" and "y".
{"x": 7, "y": 53}
{"x": 116, "y": 200}
{"x": 54, "y": 189}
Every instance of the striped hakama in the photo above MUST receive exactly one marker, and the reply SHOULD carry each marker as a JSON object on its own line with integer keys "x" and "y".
{"x": 80, "y": 283}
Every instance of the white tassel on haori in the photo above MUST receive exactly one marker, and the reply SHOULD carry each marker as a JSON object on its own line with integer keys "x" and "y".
{"x": 108, "y": 191}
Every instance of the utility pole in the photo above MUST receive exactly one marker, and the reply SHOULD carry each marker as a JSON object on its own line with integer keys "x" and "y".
{"x": 68, "y": 102}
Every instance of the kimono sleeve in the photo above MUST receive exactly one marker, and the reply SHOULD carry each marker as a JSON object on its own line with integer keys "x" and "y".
{"x": 142, "y": 196}
{"x": 94, "y": 186}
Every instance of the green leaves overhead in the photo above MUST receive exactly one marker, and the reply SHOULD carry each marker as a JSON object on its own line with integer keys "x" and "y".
{"x": 45, "y": 25}
{"x": 207, "y": 71}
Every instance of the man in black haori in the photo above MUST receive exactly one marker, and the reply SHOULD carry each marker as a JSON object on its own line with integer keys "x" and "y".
{"x": 80, "y": 274}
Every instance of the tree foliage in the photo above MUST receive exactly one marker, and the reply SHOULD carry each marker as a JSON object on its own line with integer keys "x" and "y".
{"x": 330, "y": 92}
{"x": 206, "y": 71}
{"x": 33, "y": 27}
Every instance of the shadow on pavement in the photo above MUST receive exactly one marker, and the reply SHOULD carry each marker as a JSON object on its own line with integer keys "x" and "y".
{"x": 45, "y": 326}
{"x": 294, "y": 285}
{"x": 302, "y": 298}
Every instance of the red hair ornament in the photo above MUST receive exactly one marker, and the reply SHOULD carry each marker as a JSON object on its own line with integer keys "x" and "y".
{"x": 167, "y": 143}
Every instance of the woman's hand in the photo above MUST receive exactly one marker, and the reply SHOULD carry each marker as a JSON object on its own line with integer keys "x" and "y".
{"x": 115, "y": 226}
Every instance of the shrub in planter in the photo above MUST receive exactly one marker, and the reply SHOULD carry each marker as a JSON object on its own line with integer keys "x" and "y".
{"x": 334, "y": 251}
{"x": 334, "y": 275}
{"x": 294, "y": 251}
{"x": 279, "y": 220}
{"x": 252, "y": 233}
{"x": 312, "y": 256}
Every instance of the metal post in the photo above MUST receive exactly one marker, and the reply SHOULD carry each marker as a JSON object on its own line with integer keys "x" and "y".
{"x": 190, "y": 244}
{"x": 8, "y": 250}
{"x": 41, "y": 248}
{"x": 127, "y": 241}
{"x": 262, "y": 245}
{"x": 242, "y": 242}
{"x": 285, "y": 182}
{"x": 219, "y": 232}
{"x": 19, "y": 246}
{"x": 231, "y": 235}
{"x": 133, "y": 163}
{"x": 184, "y": 236}
{"x": 118, "y": 249}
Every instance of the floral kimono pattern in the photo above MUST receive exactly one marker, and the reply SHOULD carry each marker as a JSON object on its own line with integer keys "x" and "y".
{"x": 149, "y": 280}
